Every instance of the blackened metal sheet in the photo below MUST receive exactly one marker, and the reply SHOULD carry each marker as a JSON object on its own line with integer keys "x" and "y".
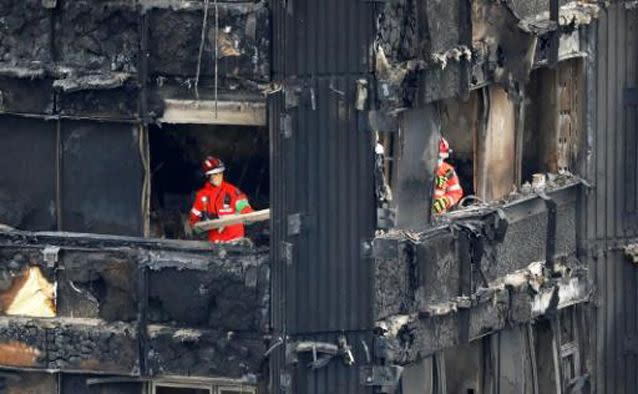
{"x": 27, "y": 181}
{"x": 33, "y": 96}
{"x": 327, "y": 179}
{"x": 611, "y": 206}
{"x": 102, "y": 178}
{"x": 322, "y": 37}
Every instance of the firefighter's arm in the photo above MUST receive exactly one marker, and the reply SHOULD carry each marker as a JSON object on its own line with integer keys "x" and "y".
{"x": 454, "y": 191}
{"x": 197, "y": 211}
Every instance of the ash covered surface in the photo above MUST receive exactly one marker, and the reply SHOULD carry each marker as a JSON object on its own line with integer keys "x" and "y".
{"x": 98, "y": 36}
{"x": 243, "y": 41}
{"x": 68, "y": 344}
{"x": 25, "y": 32}
{"x": 191, "y": 352}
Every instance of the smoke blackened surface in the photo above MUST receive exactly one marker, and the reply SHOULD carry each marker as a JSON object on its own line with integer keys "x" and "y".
{"x": 70, "y": 345}
{"x": 231, "y": 294}
{"x": 25, "y": 28}
{"x": 102, "y": 37}
{"x": 190, "y": 352}
{"x": 243, "y": 42}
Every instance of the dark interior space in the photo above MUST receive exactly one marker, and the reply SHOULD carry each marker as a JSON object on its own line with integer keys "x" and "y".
{"x": 176, "y": 175}
{"x": 180, "y": 390}
{"x": 458, "y": 125}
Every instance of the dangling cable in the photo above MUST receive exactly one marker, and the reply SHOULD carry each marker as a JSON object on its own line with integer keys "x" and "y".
{"x": 201, "y": 48}
{"x": 216, "y": 55}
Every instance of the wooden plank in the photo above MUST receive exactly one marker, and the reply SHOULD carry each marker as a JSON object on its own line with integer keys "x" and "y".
{"x": 248, "y": 218}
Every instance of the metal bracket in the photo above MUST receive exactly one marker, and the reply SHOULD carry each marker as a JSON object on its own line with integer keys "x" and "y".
{"x": 285, "y": 125}
{"x": 377, "y": 375}
{"x": 294, "y": 224}
{"x": 287, "y": 252}
{"x": 51, "y": 254}
{"x": 50, "y": 4}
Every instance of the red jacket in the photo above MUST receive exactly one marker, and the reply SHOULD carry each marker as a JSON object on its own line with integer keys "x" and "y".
{"x": 214, "y": 202}
{"x": 451, "y": 190}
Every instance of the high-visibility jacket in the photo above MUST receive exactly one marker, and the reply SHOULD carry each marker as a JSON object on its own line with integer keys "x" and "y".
{"x": 213, "y": 202}
{"x": 451, "y": 188}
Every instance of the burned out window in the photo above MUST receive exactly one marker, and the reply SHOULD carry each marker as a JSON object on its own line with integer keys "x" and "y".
{"x": 552, "y": 137}
{"x": 177, "y": 153}
{"x": 481, "y": 132}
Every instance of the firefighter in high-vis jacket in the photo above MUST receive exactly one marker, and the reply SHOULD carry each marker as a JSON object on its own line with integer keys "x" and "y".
{"x": 447, "y": 189}
{"x": 219, "y": 198}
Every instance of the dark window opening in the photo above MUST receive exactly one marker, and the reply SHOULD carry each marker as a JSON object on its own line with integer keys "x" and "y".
{"x": 553, "y": 137}
{"x": 459, "y": 123}
{"x": 177, "y": 152}
{"x": 180, "y": 390}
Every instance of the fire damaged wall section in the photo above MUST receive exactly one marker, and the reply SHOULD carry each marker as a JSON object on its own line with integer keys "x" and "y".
{"x": 130, "y": 306}
{"x": 191, "y": 352}
{"x": 241, "y": 38}
{"x": 27, "y": 200}
{"x": 419, "y": 272}
{"x": 98, "y": 36}
{"x": 422, "y": 47}
{"x": 68, "y": 345}
{"x": 225, "y": 291}
{"x": 25, "y": 32}
{"x": 98, "y": 285}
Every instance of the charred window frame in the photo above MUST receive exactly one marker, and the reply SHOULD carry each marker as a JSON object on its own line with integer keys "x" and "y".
{"x": 176, "y": 152}
{"x": 553, "y": 122}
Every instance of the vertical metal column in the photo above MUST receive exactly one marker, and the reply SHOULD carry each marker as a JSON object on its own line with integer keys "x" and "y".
{"x": 323, "y": 204}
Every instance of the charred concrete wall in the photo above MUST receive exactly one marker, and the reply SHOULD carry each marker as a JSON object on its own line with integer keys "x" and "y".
{"x": 114, "y": 59}
{"x": 481, "y": 273}
{"x": 130, "y": 307}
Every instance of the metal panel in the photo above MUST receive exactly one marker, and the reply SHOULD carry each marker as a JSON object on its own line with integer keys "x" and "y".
{"x": 327, "y": 173}
{"x": 28, "y": 182}
{"x": 102, "y": 178}
{"x": 322, "y": 185}
{"x": 321, "y": 37}
{"x": 611, "y": 207}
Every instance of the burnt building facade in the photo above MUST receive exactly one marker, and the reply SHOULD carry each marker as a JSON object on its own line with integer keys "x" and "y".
{"x": 328, "y": 113}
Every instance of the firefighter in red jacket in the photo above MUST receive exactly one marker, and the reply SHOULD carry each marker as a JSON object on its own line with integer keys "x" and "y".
{"x": 447, "y": 189}
{"x": 219, "y": 198}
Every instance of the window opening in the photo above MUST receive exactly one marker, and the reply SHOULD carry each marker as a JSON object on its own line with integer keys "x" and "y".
{"x": 552, "y": 136}
{"x": 177, "y": 153}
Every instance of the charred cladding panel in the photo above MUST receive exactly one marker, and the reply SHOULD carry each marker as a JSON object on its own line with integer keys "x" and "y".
{"x": 319, "y": 38}
{"x": 102, "y": 178}
{"x": 27, "y": 181}
{"x": 612, "y": 214}
{"x": 326, "y": 197}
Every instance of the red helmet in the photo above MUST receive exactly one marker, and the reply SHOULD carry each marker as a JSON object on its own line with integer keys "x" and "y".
{"x": 212, "y": 165}
{"x": 444, "y": 148}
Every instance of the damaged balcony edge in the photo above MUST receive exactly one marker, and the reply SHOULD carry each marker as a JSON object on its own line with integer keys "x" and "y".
{"x": 410, "y": 338}
{"x": 13, "y": 237}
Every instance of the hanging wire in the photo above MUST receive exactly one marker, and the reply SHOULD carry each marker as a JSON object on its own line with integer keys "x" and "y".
{"x": 201, "y": 47}
{"x": 216, "y": 55}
